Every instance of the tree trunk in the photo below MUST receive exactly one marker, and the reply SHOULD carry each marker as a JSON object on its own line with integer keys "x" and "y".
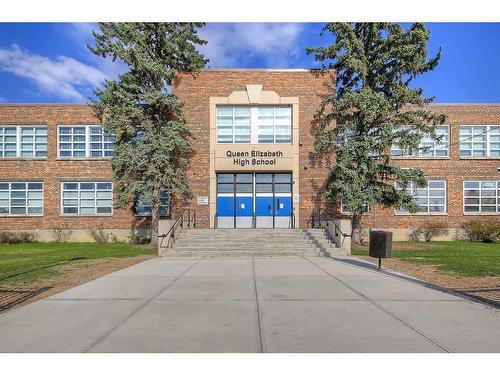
{"x": 356, "y": 229}
{"x": 155, "y": 216}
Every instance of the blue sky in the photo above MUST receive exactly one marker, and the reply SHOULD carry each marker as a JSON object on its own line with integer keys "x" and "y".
{"x": 49, "y": 62}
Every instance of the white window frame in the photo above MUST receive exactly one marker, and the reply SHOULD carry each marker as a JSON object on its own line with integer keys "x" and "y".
{"x": 488, "y": 142}
{"x": 27, "y": 191}
{"x": 61, "y": 196}
{"x": 496, "y": 196}
{"x": 421, "y": 155}
{"x": 87, "y": 142}
{"x": 18, "y": 141}
{"x": 342, "y": 211}
{"x": 148, "y": 204}
{"x": 428, "y": 213}
{"x": 254, "y": 124}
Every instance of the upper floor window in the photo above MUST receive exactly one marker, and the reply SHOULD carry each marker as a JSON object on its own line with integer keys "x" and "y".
{"x": 83, "y": 141}
{"x": 263, "y": 124}
{"x": 87, "y": 198}
{"x": 23, "y": 141}
{"x": 482, "y": 197}
{"x": 429, "y": 147}
{"x": 480, "y": 140}
{"x": 430, "y": 199}
{"x": 21, "y": 198}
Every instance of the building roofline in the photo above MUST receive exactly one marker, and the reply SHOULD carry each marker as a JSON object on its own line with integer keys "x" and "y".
{"x": 259, "y": 69}
{"x": 7, "y": 104}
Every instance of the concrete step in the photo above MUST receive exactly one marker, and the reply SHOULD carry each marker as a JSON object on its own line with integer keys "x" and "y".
{"x": 235, "y": 253}
{"x": 252, "y": 242}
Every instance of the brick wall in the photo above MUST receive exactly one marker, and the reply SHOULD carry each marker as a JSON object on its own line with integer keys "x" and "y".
{"x": 52, "y": 170}
{"x": 194, "y": 90}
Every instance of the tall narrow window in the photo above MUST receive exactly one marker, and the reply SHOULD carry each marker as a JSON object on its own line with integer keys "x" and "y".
{"x": 430, "y": 199}
{"x": 87, "y": 198}
{"x": 23, "y": 141}
{"x": 21, "y": 198}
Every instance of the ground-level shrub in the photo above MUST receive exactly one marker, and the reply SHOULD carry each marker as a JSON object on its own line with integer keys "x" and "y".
{"x": 431, "y": 229}
{"x": 483, "y": 229}
{"x": 18, "y": 237}
{"x": 61, "y": 234}
{"x": 99, "y": 235}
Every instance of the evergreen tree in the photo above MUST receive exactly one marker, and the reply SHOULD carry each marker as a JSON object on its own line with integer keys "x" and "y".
{"x": 372, "y": 107}
{"x": 152, "y": 139}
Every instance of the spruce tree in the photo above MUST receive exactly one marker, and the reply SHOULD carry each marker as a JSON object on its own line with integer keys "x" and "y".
{"x": 152, "y": 139}
{"x": 373, "y": 106}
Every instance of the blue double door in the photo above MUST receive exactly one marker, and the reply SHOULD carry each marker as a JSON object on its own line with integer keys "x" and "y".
{"x": 254, "y": 200}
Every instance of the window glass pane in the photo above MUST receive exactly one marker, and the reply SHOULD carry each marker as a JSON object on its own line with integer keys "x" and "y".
{"x": 482, "y": 197}
{"x": 223, "y": 177}
{"x": 430, "y": 199}
{"x": 87, "y": 198}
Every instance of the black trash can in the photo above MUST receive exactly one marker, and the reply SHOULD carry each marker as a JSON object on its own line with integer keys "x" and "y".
{"x": 380, "y": 244}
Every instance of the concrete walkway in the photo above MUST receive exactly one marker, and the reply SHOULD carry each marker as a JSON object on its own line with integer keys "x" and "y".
{"x": 251, "y": 305}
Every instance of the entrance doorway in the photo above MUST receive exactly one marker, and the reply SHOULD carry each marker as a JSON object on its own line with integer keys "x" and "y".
{"x": 254, "y": 200}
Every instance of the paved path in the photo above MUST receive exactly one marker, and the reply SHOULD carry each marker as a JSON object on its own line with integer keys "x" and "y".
{"x": 251, "y": 305}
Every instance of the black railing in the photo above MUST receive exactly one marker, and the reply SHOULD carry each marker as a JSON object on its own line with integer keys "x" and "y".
{"x": 180, "y": 221}
{"x": 328, "y": 220}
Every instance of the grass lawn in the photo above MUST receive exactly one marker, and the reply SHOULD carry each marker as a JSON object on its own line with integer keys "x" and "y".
{"x": 30, "y": 262}
{"x": 459, "y": 257}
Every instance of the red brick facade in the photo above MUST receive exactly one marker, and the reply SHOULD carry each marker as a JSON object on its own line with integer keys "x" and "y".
{"x": 195, "y": 91}
{"x": 53, "y": 170}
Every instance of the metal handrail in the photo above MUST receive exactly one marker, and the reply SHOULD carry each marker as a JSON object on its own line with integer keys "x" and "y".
{"x": 292, "y": 220}
{"x": 337, "y": 228}
{"x": 180, "y": 219}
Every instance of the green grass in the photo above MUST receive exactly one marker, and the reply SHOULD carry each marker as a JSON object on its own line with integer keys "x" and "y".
{"x": 459, "y": 257}
{"x": 29, "y": 262}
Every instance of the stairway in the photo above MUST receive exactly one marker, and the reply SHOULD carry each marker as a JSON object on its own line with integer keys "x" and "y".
{"x": 252, "y": 242}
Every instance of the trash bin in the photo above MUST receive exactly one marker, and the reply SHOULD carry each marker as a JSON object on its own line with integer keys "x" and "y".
{"x": 380, "y": 244}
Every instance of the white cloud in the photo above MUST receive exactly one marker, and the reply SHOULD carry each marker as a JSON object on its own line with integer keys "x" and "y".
{"x": 62, "y": 76}
{"x": 231, "y": 44}
{"x": 81, "y": 33}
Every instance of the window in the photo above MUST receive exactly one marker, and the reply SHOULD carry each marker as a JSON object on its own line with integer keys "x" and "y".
{"x": 433, "y": 148}
{"x": 264, "y": 124}
{"x": 87, "y": 198}
{"x": 233, "y": 124}
{"x": 143, "y": 208}
{"x": 482, "y": 197}
{"x": 23, "y": 142}
{"x": 345, "y": 210}
{"x": 21, "y": 198}
{"x": 84, "y": 141}
{"x": 430, "y": 199}
{"x": 275, "y": 125}
{"x": 482, "y": 140}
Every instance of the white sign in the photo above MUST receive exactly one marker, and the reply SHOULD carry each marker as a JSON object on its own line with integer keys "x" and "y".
{"x": 202, "y": 201}
{"x": 296, "y": 198}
